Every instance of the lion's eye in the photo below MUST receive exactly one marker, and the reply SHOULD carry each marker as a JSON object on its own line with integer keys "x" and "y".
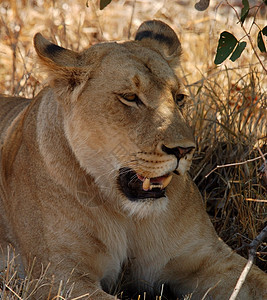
{"x": 130, "y": 99}
{"x": 180, "y": 99}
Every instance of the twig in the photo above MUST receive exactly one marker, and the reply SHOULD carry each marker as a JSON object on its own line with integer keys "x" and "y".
{"x": 264, "y": 161}
{"x": 211, "y": 74}
{"x": 258, "y": 239}
{"x": 235, "y": 164}
{"x": 242, "y": 277}
{"x": 13, "y": 292}
{"x": 210, "y": 289}
{"x": 256, "y": 200}
{"x": 249, "y": 37}
{"x": 131, "y": 20}
{"x": 252, "y": 252}
{"x": 94, "y": 11}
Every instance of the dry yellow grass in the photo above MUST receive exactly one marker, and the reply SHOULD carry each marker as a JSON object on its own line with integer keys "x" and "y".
{"x": 227, "y": 108}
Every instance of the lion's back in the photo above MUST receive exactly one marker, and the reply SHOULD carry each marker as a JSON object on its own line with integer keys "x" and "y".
{"x": 10, "y": 107}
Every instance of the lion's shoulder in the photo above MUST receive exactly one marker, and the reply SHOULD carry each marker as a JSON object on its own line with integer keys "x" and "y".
{"x": 11, "y": 116}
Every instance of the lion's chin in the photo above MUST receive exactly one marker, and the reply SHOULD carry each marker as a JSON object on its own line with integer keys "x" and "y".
{"x": 145, "y": 208}
{"x": 139, "y": 189}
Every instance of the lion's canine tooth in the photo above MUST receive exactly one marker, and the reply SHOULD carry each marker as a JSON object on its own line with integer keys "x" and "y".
{"x": 146, "y": 184}
{"x": 166, "y": 181}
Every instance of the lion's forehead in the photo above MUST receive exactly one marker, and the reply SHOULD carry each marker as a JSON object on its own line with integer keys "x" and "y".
{"x": 130, "y": 60}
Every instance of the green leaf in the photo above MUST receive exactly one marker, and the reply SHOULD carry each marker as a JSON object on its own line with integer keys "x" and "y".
{"x": 104, "y": 3}
{"x": 238, "y": 50}
{"x": 261, "y": 45}
{"x": 226, "y": 45}
{"x": 244, "y": 11}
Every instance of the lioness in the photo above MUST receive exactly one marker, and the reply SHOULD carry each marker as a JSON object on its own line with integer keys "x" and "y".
{"x": 94, "y": 177}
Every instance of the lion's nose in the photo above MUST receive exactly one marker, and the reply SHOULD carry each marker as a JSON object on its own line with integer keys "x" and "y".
{"x": 179, "y": 152}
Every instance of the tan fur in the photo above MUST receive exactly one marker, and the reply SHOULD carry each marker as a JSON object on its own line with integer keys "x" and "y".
{"x": 60, "y": 160}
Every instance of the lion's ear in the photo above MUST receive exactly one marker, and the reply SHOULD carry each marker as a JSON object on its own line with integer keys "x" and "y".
{"x": 158, "y": 35}
{"x": 63, "y": 66}
{"x": 51, "y": 53}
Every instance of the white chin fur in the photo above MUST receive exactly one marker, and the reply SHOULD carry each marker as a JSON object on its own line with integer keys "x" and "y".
{"x": 183, "y": 166}
{"x": 146, "y": 207}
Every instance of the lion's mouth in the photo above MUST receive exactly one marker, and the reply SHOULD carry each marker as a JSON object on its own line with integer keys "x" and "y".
{"x": 136, "y": 187}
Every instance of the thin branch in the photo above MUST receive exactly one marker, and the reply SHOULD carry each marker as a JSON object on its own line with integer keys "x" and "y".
{"x": 235, "y": 164}
{"x": 242, "y": 277}
{"x": 259, "y": 238}
{"x": 252, "y": 252}
{"x": 256, "y": 200}
{"x": 264, "y": 161}
{"x": 131, "y": 20}
{"x": 255, "y": 52}
{"x": 13, "y": 292}
{"x": 254, "y": 17}
{"x": 249, "y": 37}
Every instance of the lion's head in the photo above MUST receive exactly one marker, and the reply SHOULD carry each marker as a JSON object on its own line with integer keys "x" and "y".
{"x": 122, "y": 113}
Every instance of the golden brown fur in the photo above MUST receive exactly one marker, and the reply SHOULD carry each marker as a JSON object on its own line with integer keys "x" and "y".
{"x": 64, "y": 158}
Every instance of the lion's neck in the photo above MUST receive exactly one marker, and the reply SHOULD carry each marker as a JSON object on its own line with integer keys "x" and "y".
{"x": 60, "y": 162}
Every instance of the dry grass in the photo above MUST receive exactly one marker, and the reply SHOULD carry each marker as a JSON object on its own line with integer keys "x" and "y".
{"x": 227, "y": 111}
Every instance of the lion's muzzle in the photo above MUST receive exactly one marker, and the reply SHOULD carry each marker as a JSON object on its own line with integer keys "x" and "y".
{"x": 136, "y": 187}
